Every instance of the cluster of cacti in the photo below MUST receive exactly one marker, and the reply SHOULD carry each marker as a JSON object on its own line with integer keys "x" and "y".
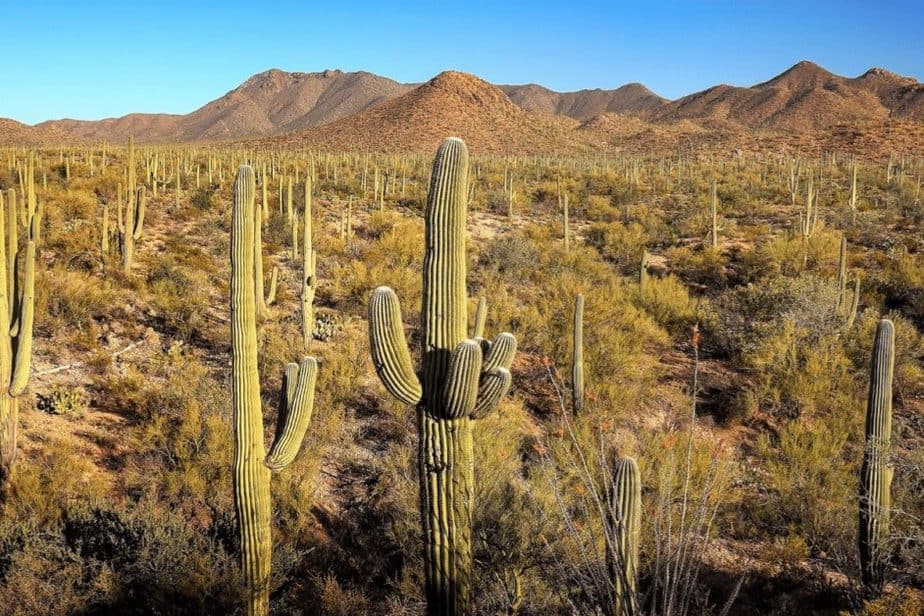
{"x": 252, "y": 465}
{"x": 17, "y": 309}
{"x": 459, "y": 381}
{"x": 326, "y": 325}
{"x": 622, "y": 539}
{"x": 876, "y": 471}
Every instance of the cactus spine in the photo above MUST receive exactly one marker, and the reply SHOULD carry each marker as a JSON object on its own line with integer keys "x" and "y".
{"x": 625, "y": 505}
{"x": 577, "y": 356}
{"x": 252, "y": 465}
{"x": 16, "y": 318}
{"x": 876, "y": 472}
{"x": 460, "y": 380}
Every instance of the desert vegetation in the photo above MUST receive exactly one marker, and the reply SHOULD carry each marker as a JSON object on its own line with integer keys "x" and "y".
{"x": 267, "y": 380}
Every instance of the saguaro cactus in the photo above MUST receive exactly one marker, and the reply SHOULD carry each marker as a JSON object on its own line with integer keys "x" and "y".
{"x": 309, "y": 271}
{"x": 459, "y": 381}
{"x": 16, "y": 317}
{"x": 252, "y": 465}
{"x": 625, "y": 505}
{"x": 876, "y": 472}
{"x": 577, "y": 356}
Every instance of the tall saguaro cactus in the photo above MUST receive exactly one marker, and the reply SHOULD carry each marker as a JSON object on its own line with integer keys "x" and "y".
{"x": 876, "y": 472}
{"x": 460, "y": 380}
{"x": 17, "y": 301}
{"x": 252, "y": 465}
{"x": 309, "y": 271}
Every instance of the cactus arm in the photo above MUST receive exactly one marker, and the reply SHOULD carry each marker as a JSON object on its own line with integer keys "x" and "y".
{"x": 139, "y": 215}
{"x": 22, "y": 355}
{"x": 493, "y": 387}
{"x": 390, "y": 354}
{"x": 461, "y": 390}
{"x": 501, "y": 352}
{"x": 298, "y": 409}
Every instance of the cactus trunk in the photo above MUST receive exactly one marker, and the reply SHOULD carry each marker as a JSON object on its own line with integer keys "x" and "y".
{"x": 876, "y": 472}
{"x": 460, "y": 381}
{"x": 623, "y": 536}
{"x": 251, "y": 476}
{"x": 577, "y": 356}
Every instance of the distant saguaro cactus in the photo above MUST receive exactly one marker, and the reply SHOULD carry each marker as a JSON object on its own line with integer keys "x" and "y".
{"x": 876, "y": 471}
{"x": 459, "y": 381}
{"x": 252, "y": 465}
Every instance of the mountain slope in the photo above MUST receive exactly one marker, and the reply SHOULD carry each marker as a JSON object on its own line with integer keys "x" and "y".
{"x": 267, "y": 103}
{"x": 803, "y": 97}
{"x": 17, "y": 133}
{"x": 585, "y": 104}
{"x": 452, "y": 103}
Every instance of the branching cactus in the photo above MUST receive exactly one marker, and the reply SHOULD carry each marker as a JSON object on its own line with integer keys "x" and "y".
{"x": 17, "y": 301}
{"x": 459, "y": 380}
{"x": 252, "y": 465}
{"x": 876, "y": 472}
{"x": 625, "y": 505}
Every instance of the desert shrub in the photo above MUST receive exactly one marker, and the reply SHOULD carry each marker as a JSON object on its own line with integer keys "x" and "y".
{"x": 620, "y": 244}
{"x": 177, "y": 297}
{"x": 64, "y": 401}
{"x": 704, "y": 267}
{"x": 203, "y": 198}
{"x": 72, "y": 299}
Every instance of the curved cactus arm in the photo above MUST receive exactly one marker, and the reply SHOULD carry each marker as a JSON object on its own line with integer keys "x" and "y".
{"x": 390, "y": 353}
{"x": 22, "y": 360}
{"x": 139, "y": 213}
{"x": 286, "y": 395}
{"x": 501, "y": 352}
{"x": 493, "y": 387}
{"x": 299, "y": 406}
{"x": 461, "y": 388}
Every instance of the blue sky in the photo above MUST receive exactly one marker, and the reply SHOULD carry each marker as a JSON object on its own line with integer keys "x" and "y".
{"x": 97, "y": 59}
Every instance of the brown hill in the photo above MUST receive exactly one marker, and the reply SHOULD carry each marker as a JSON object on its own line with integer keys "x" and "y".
{"x": 585, "y": 104}
{"x": 17, "y": 133}
{"x": 452, "y": 103}
{"x": 804, "y": 97}
{"x": 143, "y": 126}
{"x": 270, "y": 102}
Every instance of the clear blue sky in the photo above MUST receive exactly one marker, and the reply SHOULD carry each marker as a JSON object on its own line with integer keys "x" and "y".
{"x": 99, "y": 59}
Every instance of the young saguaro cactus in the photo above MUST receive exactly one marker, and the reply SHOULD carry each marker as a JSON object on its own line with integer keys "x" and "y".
{"x": 876, "y": 472}
{"x": 459, "y": 381}
{"x": 625, "y": 506}
{"x": 17, "y": 304}
{"x": 252, "y": 465}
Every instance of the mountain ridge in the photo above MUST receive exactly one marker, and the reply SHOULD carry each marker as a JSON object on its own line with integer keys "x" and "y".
{"x": 276, "y": 103}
